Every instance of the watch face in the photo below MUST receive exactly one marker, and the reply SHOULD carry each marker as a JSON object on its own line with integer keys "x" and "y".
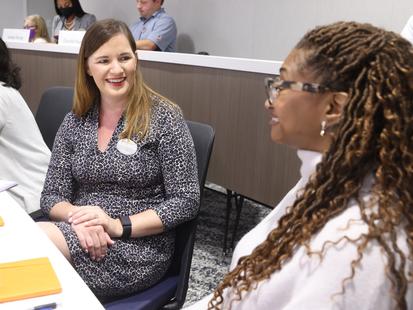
{"x": 126, "y": 225}
{"x": 125, "y": 220}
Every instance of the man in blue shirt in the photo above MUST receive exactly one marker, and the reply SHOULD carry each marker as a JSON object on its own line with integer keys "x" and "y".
{"x": 155, "y": 30}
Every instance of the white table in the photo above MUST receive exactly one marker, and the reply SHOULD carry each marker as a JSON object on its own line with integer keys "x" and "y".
{"x": 20, "y": 239}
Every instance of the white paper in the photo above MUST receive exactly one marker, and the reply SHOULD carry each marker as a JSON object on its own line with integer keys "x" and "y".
{"x": 70, "y": 37}
{"x": 16, "y": 35}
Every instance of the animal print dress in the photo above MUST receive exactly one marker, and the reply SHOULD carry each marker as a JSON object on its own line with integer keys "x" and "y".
{"x": 161, "y": 175}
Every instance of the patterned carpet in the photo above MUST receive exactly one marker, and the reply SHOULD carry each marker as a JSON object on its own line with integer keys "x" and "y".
{"x": 209, "y": 264}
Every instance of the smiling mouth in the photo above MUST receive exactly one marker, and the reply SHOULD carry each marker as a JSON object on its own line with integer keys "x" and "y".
{"x": 117, "y": 81}
{"x": 274, "y": 120}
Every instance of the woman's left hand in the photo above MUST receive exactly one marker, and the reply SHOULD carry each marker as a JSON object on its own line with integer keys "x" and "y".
{"x": 89, "y": 215}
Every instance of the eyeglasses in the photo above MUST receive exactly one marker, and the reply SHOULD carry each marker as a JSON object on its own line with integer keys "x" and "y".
{"x": 30, "y": 27}
{"x": 273, "y": 87}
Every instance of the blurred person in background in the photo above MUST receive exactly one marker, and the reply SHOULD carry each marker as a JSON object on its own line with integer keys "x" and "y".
{"x": 38, "y": 29}
{"x": 155, "y": 30}
{"x": 70, "y": 16}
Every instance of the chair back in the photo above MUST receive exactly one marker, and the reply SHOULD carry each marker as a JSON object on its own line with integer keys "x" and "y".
{"x": 203, "y": 136}
{"x": 55, "y": 103}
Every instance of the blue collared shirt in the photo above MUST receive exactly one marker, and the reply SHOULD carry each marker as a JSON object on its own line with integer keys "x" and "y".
{"x": 160, "y": 28}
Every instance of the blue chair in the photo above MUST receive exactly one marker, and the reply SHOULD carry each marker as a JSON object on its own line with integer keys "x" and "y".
{"x": 55, "y": 103}
{"x": 170, "y": 292}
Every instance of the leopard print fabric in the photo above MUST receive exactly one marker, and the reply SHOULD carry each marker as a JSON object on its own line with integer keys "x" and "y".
{"x": 161, "y": 175}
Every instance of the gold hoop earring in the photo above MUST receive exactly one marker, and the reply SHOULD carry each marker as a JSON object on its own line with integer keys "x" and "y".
{"x": 323, "y": 128}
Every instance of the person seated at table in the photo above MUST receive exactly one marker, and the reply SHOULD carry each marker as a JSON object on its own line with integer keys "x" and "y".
{"x": 38, "y": 28}
{"x": 123, "y": 171}
{"x": 70, "y": 16}
{"x": 342, "y": 237}
{"x": 24, "y": 156}
{"x": 155, "y": 30}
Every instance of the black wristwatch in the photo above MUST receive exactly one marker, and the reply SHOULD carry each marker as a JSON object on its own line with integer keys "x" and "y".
{"x": 127, "y": 227}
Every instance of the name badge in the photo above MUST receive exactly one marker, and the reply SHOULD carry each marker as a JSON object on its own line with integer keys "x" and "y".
{"x": 126, "y": 147}
{"x": 16, "y": 35}
{"x": 70, "y": 37}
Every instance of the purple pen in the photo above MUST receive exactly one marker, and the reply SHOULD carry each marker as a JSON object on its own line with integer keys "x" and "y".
{"x": 46, "y": 306}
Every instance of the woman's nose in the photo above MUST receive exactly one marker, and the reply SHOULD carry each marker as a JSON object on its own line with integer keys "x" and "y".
{"x": 116, "y": 67}
{"x": 268, "y": 105}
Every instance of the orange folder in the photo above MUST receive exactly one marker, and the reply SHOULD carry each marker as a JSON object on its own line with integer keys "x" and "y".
{"x": 27, "y": 278}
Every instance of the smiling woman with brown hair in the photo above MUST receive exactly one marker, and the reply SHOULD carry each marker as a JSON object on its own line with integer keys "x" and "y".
{"x": 123, "y": 170}
{"x": 343, "y": 236}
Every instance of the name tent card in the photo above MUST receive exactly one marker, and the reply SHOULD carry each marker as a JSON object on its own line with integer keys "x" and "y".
{"x": 70, "y": 37}
{"x": 16, "y": 35}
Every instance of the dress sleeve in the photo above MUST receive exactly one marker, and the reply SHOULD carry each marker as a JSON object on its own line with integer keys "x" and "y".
{"x": 320, "y": 288}
{"x": 54, "y": 25}
{"x": 179, "y": 168}
{"x": 314, "y": 282}
{"x": 163, "y": 33}
{"x": 59, "y": 184}
{"x": 3, "y": 113}
{"x": 87, "y": 21}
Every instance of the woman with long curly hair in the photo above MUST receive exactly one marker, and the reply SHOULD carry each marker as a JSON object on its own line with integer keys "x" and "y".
{"x": 343, "y": 236}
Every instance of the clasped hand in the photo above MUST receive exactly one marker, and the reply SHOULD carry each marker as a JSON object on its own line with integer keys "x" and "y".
{"x": 93, "y": 228}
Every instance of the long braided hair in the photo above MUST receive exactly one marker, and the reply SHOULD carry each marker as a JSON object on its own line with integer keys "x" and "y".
{"x": 374, "y": 136}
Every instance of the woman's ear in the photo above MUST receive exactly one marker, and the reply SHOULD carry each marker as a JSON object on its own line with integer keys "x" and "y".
{"x": 335, "y": 108}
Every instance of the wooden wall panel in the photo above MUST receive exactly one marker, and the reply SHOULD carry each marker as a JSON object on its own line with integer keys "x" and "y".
{"x": 41, "y": 70}
{"x": 244, "y": 158}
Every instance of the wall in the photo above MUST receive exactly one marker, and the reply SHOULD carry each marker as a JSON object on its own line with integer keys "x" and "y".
{"x": 112, "y": 9}
{"x": 12, "y": 13}
{"x": 44, "y": 8}
{"x": 268, "y": 29}
{"x": 262, "y": 29}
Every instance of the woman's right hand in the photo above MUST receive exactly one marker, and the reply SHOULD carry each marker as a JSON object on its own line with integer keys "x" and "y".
{"x": 93, "y": 240}
{"x": 95, "y": 216}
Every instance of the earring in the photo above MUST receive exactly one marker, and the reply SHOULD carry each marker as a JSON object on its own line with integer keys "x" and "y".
{"x": 323, "y": 128}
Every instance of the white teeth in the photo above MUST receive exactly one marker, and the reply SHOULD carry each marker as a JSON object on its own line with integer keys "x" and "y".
{"x": 116, "y": 80}
{"x": 274, "y": 120}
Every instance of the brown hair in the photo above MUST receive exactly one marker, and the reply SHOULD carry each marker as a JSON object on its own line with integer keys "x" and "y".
{"x": 9, "y": 72}
{"x": 374, "y": 137}
{"x": 138, "y": 110}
